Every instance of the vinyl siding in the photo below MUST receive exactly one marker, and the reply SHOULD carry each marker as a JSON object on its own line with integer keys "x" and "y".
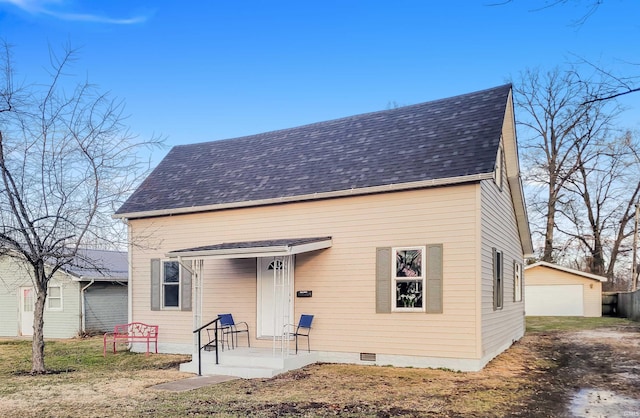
{"x": 57, "y": 324}
{"x": 64, "y": 323}
{"x": 342, "y": 278}
{"x": 499, "y": 230}
{"x": 105, "y": 306}
{"x": 592, "y": 289}
{"x": 11, "y": 278}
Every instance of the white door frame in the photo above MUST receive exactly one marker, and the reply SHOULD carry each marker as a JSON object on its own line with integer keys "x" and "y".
{"x": 280, "y": 281}
{"x": 26, "y": 317}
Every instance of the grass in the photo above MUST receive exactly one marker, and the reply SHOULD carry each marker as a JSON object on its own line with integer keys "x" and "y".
{"x": 71, "y": 355}
{"x": 87, "y": 384}
{"x": 571, "y": 323}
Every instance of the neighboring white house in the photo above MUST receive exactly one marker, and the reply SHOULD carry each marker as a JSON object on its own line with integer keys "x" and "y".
{"x": 90, "y": 296}
{"x": 553, "y": 290}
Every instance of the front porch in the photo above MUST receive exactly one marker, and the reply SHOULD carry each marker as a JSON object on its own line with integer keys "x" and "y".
{"x": 249, "y": 362}
{"x": 270, "y": 302}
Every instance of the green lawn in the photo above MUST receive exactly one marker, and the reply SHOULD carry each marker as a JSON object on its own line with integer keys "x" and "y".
{"x": 571, "y": 323}
{"x": 78, "y": 354}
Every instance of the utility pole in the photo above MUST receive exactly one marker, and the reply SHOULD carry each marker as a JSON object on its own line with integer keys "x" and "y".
{"x": 634, "y": 263}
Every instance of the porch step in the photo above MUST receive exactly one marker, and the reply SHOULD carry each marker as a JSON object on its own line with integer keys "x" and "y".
{"x": 242, "y": 372}
{"x": 249, "y": 363}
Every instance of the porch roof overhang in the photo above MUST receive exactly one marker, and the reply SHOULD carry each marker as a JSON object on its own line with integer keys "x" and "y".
{"x": 253, "y": 249}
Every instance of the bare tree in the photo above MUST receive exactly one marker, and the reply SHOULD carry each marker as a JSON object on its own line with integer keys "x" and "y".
{"x": 66, "y": 161}
{"x": 601, "y": 202}
{"x": 612, "y": 85}
{"x": 589, "y": 7}
{"x": 559, "y": 126}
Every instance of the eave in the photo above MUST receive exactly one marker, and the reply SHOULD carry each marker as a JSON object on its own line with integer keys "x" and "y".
{"x": 308, "y": 197}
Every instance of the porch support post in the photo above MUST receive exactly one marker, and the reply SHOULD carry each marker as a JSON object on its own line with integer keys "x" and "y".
{"x": 277, "y": 267}
{"x": 286, "y": 302}
{"x": 282, "y": 302}
{"x": 195, "y": 268}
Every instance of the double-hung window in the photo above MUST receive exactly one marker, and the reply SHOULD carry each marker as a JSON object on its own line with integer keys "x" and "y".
{"x": 498, "y": 174}
{"x": 498, "y": 279}
{"x": 517, "y": 281}
{"x": 408, "y": 278}
{"x": 54, "y": 298}
{"x": 170, "y": 284}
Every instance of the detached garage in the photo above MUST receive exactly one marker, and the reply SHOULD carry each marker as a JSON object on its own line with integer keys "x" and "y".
{"x": 553, "y": 290}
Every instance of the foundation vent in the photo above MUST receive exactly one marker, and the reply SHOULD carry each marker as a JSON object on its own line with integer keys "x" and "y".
{"x": 367, "y": 356}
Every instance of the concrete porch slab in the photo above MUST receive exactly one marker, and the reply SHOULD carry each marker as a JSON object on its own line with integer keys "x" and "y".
{"x": 249, "y": 363}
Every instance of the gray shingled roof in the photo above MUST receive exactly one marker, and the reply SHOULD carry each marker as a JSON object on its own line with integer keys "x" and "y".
{"x": 244, "y": 249}
{"x": 99, "y": 265}
{"x": 445, "y": 138}
{"x": 290, "y": 242}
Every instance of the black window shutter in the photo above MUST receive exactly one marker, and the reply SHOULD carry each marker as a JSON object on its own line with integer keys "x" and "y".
{"x": 495, "y": 279}
{"x": 498, "y": 280}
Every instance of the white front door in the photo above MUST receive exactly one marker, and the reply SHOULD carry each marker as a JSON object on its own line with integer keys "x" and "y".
{"x": 275, "y": 288}
{"x": 27, "y": 303}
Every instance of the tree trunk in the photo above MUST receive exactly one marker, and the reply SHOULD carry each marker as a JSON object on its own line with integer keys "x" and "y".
{"x": 37, "y": 345}
{"x": 551, "y": 221}
{"x": 598, "y": 256}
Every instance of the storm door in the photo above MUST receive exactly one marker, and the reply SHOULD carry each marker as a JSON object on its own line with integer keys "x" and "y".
{"x": 275, "y": 287}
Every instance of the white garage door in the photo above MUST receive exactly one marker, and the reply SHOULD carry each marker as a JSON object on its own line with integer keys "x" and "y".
{"x": 556, "y": 300}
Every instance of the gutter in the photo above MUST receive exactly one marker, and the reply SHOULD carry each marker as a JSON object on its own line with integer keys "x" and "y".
{"x": 312, "y": 196}
{"x": 250, "y": 252}
{"x": 82, "y": 304}
{"x": 129, "y": 275}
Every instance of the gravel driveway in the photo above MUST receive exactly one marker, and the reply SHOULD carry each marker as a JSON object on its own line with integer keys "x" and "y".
{"x": 594, "y": 373}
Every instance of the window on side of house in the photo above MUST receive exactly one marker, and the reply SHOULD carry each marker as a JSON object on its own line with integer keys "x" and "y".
{"x": 498, "y": 279}
{"x": 498, "y": 174}
{"x": 54, "y": 298}
{"x": 408, "y": 279}
{"x": 517, "y": 281}
{"x": 170, "y": 284}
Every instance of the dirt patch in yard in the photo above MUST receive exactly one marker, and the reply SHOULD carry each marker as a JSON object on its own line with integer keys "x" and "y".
{"x": 591, "y": 373}
{"x": 581, "y": 373}
{"x": 547, "y": 374}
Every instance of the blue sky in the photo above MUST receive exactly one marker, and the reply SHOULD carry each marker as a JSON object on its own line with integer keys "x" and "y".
{"x": 198, "y": 71}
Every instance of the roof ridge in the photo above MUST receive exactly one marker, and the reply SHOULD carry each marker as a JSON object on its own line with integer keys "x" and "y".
{"x": 451, "y": 138}
{"x": 345, "y": 118}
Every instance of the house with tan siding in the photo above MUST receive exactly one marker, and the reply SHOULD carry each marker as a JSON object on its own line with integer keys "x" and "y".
{"x": 402, "y": 231}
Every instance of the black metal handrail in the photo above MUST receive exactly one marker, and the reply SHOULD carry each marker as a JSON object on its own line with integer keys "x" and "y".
{"x": 200, "y": 346}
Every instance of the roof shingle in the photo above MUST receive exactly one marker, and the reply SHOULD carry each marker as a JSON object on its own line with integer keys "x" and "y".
{"x": 446, "y": 138}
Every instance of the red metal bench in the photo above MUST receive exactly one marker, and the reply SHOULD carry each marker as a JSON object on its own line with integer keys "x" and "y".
{"x": 133, "y": 332}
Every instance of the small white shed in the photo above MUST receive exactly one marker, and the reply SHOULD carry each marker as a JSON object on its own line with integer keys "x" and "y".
{"x": 553, "y": 290}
